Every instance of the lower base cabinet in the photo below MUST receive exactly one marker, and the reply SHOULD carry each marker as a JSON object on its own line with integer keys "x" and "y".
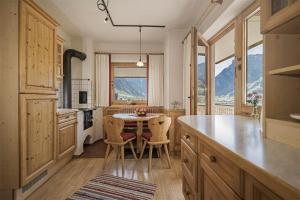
{"x": 210, "y": 175}
{"x": 67, "y": 128}
{"x": 256, "y": 190}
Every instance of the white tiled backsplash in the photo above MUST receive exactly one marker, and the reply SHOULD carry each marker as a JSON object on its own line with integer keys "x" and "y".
{"x": 77, "y": 85}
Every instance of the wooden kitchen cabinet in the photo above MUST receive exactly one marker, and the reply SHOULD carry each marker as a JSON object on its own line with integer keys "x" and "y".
{"x": 59, "y": 57}
{"x": 37, "y": 50}
{"x": 38, "y": 134}
{"x": 67, "y": 128}
{"x": 278, "y": 13}
{"x": 254, "y": 190}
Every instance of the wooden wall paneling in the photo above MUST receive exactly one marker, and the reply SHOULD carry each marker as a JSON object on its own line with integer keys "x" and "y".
{"x": 9, "y": 130}
{"x": 38, "y": 134}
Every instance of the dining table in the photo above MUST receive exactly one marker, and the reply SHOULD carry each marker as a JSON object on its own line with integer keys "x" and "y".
{"x": 132, "y": 117}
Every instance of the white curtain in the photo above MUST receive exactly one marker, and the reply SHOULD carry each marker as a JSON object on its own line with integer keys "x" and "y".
{"x": 187, "y": 50}
{"x": 102, "y": 80}
{"x": 156, "y": 80}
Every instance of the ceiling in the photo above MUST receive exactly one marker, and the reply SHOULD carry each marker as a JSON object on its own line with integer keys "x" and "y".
{"x": 82, "y": 17}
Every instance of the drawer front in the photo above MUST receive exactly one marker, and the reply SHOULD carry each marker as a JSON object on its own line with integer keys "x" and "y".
{"x": 214, "y": 188}
{"x": 66, "y": 117}
{"x": 189, "y": 164}
{"x": 190, "y": 139}
{"x": 228, "y": 171}
{"x": 188, "y": 192}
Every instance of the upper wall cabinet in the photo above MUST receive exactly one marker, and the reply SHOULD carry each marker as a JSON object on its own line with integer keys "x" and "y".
{"x": 37, "y": 50}
{"x": 280, "y": 16}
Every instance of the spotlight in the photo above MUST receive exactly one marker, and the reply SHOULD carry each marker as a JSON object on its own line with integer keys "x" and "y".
{"x": 106, "y": 19}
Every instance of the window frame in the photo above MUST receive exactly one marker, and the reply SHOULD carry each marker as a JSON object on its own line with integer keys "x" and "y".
{"x": 248, "y": 13}
{"x": 112, "y": 91}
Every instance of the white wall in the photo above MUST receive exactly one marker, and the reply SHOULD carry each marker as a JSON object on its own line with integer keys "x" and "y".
{"x": 173, "y": 74}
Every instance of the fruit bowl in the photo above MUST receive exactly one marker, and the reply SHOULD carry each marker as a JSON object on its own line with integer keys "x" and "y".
{"x": 141, "y": 112}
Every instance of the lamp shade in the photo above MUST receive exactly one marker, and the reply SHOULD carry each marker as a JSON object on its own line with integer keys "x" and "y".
{"x": 140, "y": 63}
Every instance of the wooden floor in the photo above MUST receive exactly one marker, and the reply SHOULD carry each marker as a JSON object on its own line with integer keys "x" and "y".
{"x": 79, "y": 171}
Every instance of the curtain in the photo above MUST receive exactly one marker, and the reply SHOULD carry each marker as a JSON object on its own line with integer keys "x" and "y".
{"x": 156, "y": 80}
{"x": 102, "y": 80}
{"x": 187, "y": 47}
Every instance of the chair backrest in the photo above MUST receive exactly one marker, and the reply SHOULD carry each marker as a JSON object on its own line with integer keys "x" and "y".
{"x": 159, "y": 127}
{"x": 113, "y": 128}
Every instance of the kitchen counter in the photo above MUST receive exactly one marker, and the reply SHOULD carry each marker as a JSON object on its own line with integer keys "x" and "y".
{"x": 240, "y": 138}
{"x": 62, "y": 111}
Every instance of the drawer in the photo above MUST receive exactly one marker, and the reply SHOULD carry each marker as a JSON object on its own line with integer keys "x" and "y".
{"x": 226, "y": 170}
{"x": 67, "y": 117}
{"x": 188, "y": 192}
{"x": 190, "y": 139}
{"x": 214, "y": 188}
{"x": 189, "y": 164}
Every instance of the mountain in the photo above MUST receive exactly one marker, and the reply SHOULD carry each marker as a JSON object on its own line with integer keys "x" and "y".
{"x": 130, "y": 88}
{"x": 224, "y": 82}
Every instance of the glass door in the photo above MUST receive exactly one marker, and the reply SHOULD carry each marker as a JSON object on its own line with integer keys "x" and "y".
{"x": 202, "y": 79}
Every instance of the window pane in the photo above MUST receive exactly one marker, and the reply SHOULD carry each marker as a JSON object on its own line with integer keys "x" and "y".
{"x": 224, "y": 83}
{"x": 201, "y": 88}
{"x": 254, "y": 64}
{"x": 130, "y": 89}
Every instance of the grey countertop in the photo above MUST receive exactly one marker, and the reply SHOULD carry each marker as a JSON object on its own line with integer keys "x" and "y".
{"x": 241, "y": 136}
{"x": 61, "y": 111}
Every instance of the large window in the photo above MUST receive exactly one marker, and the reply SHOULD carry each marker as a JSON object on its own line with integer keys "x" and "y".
{"x": 224, "y": 75}
{"x": 254, "y": 57}
{"x": 129, "y": 83}
{"x": 201, "y": 81}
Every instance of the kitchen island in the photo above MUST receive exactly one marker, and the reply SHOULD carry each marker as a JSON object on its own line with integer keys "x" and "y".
{"x": 226, "y": 157}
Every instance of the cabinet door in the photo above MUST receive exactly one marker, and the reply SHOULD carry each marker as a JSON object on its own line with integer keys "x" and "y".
{"x": 59, "y": 58}
{"x": 37, "y": 50}
{"x": 38, "y": 134}
{"x": 254, "y": 190}
{"x": 279, "y": 12}
{"x": 214, "y": 188}
{"x": 66, "y": 138}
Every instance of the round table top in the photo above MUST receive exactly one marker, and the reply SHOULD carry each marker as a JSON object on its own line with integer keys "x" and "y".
{"x": 133, "y": 117}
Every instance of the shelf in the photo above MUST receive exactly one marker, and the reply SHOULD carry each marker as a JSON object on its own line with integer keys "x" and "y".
{"x": 287, "y": 71}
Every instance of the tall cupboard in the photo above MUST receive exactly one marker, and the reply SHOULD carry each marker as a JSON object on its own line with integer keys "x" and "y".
{"x": 28, "y": 122}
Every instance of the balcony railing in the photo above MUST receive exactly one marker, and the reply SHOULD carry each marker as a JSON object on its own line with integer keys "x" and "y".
{"x": 223, "y": 109}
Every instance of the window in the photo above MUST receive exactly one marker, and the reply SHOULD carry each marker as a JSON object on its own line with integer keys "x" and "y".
{"x": 201, "y": 81}
{"x": 129, "y": 83}
{"x": 254, "y": 57}
{"x": 224, "y": 74}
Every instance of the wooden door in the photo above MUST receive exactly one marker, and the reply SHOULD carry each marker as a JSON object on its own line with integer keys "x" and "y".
{"x": 66, "y": 138}
{"x": 38, "y": 134}
{"x": 37, "y": 50}
{"x": 254, "y": 190}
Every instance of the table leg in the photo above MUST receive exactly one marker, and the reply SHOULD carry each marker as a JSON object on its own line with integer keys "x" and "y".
{"x": 139, "y": 136}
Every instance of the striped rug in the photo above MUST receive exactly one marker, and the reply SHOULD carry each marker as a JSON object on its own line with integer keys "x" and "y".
{"x": 110, "y": 187}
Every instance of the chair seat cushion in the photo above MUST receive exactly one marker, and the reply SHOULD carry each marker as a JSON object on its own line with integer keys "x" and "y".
{"x": 147, "y": 135}
{"x": 127, "y": 135}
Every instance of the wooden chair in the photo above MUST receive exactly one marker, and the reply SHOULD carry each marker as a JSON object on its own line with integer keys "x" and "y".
{"x": 157, "y": 137}
{"x": 117, "y": 138}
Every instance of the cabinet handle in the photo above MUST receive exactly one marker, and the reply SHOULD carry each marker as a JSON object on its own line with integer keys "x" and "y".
{"x": 187, "y": 137}
{"x": 212, "y": 159}
{"x": 187, "y": 193}
{"x": 185, "y": 160}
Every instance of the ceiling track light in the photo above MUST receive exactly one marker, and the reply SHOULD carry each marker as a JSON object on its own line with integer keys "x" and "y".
{"x": 106, "y": 19}
{"x": 102, "y": 6}
{"x": 217, "y": 1}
